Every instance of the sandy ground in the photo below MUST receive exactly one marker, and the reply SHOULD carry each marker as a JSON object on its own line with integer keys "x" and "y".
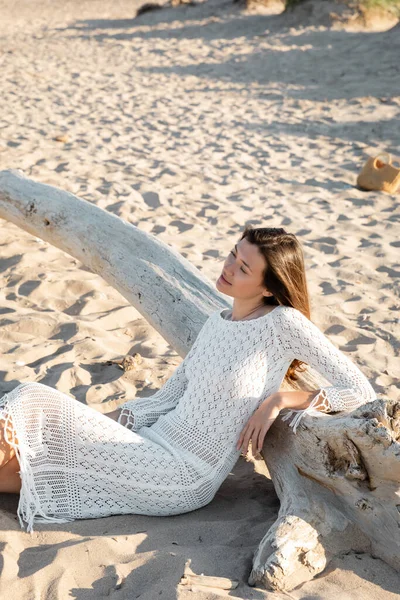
{"x": 189, "y": 123}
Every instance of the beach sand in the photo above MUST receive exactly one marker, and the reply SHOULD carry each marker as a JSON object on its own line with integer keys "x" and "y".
{"x": 188, "y": 123}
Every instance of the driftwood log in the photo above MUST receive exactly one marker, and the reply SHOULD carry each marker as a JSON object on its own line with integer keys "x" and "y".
{"x": 338, "y": 478}
{"x": 169, "y": 292}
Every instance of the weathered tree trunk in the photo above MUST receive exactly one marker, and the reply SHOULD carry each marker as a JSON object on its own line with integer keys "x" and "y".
{"x": 168, "y": 290}
{"x": 338, "y": 478}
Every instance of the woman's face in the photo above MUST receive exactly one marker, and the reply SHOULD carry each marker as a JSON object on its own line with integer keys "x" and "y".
{"x": 242, "y": 270}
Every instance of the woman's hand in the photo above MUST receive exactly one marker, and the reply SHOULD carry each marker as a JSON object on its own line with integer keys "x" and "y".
{"x": 259, "y": 423}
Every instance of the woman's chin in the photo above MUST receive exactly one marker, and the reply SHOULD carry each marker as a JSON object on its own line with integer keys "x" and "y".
{"x": 222, "y": 287}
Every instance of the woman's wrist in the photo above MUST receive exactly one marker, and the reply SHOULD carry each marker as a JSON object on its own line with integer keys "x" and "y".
{"x": 296, "y": 400}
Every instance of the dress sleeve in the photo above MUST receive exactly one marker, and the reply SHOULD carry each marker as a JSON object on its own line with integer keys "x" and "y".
{"x": 143, "y": 412}
{"x": 302, "y": 339}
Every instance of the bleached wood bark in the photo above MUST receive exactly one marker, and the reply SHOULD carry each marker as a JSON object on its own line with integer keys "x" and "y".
{"x": 168, "y": 290}
{"x": 338, "y": 478}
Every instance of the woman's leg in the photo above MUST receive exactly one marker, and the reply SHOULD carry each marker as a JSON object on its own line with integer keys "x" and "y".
{"x": 7, "y": 452}
{"x": 10, "y": 481}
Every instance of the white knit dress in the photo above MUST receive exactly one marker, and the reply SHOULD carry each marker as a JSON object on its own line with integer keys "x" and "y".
{"x": 169, "y": 453}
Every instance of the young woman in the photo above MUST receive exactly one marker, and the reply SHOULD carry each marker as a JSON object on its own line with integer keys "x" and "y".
{"x": 168, "y": 454}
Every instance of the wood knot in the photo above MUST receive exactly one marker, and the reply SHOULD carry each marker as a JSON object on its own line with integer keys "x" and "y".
{"x": 364, "y": 504}
{"x": 31, "y": 208}
{"x": 355, "y": 471}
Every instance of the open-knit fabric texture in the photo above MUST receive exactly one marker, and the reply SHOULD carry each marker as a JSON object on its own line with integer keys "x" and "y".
{"x": 169, "y": 453}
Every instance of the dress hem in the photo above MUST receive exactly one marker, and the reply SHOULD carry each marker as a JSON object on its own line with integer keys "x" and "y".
{"x": 29, "y": 510}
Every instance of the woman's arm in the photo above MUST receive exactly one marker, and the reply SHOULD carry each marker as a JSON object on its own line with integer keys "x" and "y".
{"x": 301, "y": 339}
{"x": 140, "y": 412}
{"x": 302, "y": 400}
{"x": 143, "y": 412}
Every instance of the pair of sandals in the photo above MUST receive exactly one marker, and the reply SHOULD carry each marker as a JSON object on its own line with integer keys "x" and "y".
{"x": 380, "y": 174}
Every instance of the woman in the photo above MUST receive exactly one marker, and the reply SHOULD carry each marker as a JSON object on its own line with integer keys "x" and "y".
{"x": 168, "y": 454}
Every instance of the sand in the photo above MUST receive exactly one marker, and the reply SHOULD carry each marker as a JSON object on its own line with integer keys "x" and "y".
{"x": 189, "y": 123}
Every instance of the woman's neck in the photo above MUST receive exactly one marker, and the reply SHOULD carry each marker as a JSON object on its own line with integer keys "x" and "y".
{"x": 258, "y": 311}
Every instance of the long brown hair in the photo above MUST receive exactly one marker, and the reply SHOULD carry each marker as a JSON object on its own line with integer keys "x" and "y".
{"x": 284, "y": 274}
